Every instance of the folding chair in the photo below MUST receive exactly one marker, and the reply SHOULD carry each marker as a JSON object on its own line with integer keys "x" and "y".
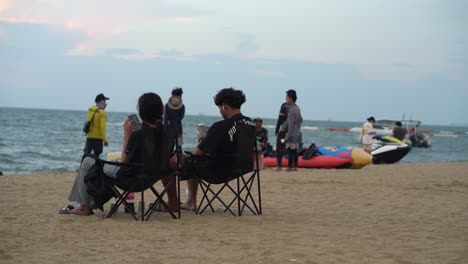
{"x": 156, "y": 153}
{"x": 238, "y": 168}
{"x": 145, "y": 183}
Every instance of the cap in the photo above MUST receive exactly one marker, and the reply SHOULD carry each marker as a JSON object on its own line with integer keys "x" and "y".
{"x": 258, "y": 119}
{"x": 371, "y": 119}
{"x": 100, "y": 97}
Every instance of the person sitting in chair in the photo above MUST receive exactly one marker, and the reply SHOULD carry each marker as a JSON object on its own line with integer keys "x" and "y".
{"x": 262, "y": 134}
{"x": 219, "y": 140}
{"x": 150, "y": 109}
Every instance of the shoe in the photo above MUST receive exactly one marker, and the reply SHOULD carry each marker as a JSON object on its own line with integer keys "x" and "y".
{"x": 279, "y": 168}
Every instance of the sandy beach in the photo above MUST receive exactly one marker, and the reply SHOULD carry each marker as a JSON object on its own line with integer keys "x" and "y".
{"x": 402, "y": 213}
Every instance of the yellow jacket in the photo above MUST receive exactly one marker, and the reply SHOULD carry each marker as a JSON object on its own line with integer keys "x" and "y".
{"x": 98, "y": 126}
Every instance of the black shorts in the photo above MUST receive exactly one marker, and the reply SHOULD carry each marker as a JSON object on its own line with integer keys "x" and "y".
{"x": 203, "y": 167}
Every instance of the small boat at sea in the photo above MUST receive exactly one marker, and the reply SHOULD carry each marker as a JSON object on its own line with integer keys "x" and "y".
{"x": 414, "y": 137}
{"x": 388, "y": 150}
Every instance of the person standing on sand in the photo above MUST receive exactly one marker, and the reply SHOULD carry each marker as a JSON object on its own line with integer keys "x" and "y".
{"x": 262, "y": 134}
{"x": 96, "y": 137}
{"x": 280, "y": 133}
{"x": 174, "y": 112}
{"x": 293, "y": 134}
{"x": 367, "y": 134}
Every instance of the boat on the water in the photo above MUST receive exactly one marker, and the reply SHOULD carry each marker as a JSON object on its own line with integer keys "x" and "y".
{"x": 414, "y": 137}
{"x": 388, "y": 150}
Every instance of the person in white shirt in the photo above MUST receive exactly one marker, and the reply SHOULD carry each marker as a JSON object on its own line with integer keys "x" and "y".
{"x": 367, "y": 134}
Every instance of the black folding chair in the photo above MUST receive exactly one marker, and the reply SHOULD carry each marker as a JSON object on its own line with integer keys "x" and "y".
{"x": 156, "y": 152}
{"x": 238, "y": 168}
{"x": 146, "y": 183}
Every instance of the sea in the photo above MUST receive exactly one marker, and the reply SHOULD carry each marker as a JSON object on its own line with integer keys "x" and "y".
{"x": 45, "y": 141}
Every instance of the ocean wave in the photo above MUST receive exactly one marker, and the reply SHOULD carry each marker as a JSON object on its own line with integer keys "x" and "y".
{"x": 11, "y": 161}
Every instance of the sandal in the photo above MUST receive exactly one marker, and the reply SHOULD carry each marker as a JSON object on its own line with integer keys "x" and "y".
{"x": 66, "y": 210}
{"x": 70, "y": 209}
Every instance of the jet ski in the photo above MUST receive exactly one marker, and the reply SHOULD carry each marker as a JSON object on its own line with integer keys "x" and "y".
{"x": 388, "y": 150}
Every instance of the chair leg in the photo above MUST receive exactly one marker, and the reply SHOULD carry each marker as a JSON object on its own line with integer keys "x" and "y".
{"x": 215, "y": 196}
{"x": 247, "y": 185}
{"x": 238, "y": 197}
{"x": 120, "y": 200}
{"x": 142, "y": 206}
{"x": 204, "y": 187}
{"x": 178, "y": 192}
{"x": 243, "y": 201}
{"x": 259, "y": 193}
{"x": 160, "y": 200}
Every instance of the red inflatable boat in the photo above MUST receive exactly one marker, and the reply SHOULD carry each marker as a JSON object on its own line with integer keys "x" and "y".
{"x": 320, "y": 162}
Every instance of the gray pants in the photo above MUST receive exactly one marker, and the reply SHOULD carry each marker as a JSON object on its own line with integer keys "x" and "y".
{"x": 79, "y": 191}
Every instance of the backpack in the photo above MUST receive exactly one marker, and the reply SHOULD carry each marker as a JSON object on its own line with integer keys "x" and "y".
{"x": 87, "y": 124}
{"x": 311, "y": 151}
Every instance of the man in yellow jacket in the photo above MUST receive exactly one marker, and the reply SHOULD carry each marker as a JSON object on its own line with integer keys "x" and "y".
{"x": 96, "y": 136}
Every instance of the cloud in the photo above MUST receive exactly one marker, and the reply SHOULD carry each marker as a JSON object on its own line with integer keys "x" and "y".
{"x": 3, "y": 5}
{"x": 268, "y": 73}
{"x": 364, "y": 34}
{"x": 101, "y": 22}
{"x": 121, "y": 51}
{"x": 23, "y": 20}
{"x": 171, "y": 53}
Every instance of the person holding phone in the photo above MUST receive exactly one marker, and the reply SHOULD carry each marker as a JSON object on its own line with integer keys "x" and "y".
{"x": 150, "y": 110}
{"x": 262, "y": 134}
{"x": 219, "y": 139}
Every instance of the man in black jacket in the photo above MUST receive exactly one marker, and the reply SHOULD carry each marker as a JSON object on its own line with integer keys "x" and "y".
{"x": 280, "y": 133}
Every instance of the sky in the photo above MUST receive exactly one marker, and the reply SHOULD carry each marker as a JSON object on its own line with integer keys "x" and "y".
{"x": 347, "y": 60}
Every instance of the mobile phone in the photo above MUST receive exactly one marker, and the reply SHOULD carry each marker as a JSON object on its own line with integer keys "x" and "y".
{"x": 204, "y": 128}
{"x": 135, "y": 122}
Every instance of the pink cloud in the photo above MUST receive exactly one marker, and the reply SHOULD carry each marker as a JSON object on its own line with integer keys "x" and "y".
{"x": 3, "y": 5}
{"x": 98, "y": 26}
{"x": 23, "y": 20}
